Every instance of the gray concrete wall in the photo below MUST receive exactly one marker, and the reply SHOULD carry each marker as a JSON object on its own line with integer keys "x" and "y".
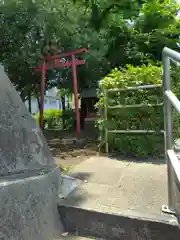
{"x": 29, "y": 179}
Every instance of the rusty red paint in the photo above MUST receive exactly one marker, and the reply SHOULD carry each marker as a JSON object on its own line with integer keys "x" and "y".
{"x": 57, "y": 64}
{"x": 67, "y": 54}
{"x": 75, "y": 88}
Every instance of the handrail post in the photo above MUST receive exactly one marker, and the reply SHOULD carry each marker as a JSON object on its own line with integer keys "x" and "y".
{"x": 167, "y": 125}
{"x": 167, "y": 104}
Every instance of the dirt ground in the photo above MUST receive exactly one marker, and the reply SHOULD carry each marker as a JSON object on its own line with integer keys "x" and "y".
{"x": 70, "y": 151}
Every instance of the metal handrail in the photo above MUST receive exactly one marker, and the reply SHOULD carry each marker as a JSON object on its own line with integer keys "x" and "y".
{"x": 170, "y": 100}
{"x": 150, "y": 86}
{"x": 134, "y": 106}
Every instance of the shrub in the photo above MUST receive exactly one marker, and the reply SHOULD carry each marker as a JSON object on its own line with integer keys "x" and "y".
{"x": 52, "y": 118}
{"x": 69, "y": 118}
{"x": 147, "y": 118}
{"x": 55, "y": 118}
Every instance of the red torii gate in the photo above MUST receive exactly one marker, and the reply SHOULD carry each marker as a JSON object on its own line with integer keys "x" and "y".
{"x": 56, "y": 63}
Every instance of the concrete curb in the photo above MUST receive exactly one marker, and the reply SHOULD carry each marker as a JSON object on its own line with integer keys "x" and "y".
{"x": 119, "y": 226}
{"x": 68, "y": 184}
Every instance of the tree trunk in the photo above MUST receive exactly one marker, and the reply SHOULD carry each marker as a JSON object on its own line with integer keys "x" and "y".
{"x": 29, "y": 102}
{"x": 63, "y": 111}
{"x": 37, "y": 90}
{"x": 68, "y": 104}
{"x": 38, "y": 102}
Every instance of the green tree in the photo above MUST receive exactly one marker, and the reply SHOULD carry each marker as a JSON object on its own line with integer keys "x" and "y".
{"x": 115, "y": 32}
{"x": 157, "y": 26}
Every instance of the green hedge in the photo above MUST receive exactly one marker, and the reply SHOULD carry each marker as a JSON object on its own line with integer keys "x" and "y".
{"x": 134, "y": 118}
{"x": 53, "y": 118}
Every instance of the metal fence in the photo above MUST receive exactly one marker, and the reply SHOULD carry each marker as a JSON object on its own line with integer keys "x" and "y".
{"x": 173, "y": 162}
{"x": 125, "y": 131}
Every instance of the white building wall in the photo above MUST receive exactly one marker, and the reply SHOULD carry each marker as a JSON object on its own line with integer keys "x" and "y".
{"x": 50, "y": 101}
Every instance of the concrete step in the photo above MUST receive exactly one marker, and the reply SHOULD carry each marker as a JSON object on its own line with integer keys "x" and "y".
{"x": 115, "y": 225}
{"x": 73, "y": 237}
{"x": 119, "y": 200}
{"x": 77, "y": 238}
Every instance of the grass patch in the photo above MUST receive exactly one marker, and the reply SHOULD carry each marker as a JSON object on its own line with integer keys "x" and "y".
{"x": 64, "y": 169}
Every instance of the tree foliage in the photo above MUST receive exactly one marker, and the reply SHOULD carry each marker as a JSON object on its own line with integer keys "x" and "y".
{"x": 115, "y": 32}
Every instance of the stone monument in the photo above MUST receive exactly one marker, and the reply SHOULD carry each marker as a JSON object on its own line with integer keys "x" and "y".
{"x": 29, "y": 178}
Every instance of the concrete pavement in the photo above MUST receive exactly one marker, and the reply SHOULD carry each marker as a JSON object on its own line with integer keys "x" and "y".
{"x": 120, "y": 186}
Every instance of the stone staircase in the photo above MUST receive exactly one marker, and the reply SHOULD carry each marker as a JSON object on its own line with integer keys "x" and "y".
{"x": 118, "y": 200}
